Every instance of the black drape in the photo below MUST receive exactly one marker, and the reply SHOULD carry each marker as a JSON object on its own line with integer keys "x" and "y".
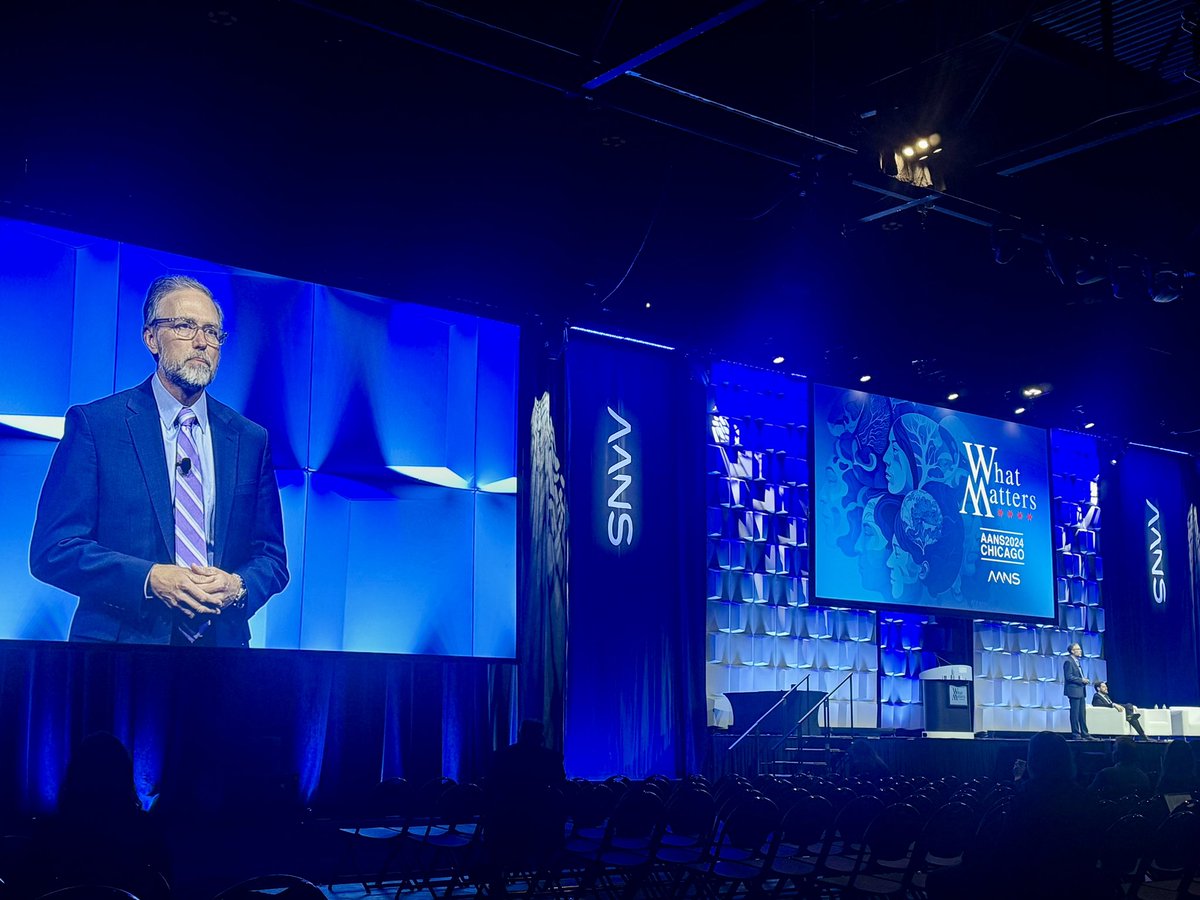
{"x": 289, "y": 729}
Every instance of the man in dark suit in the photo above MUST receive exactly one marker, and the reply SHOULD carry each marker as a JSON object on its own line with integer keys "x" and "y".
{"x": 1075, "y": 687}
{"x": 160, "y": 509}
{"x": 1132, "y": 716}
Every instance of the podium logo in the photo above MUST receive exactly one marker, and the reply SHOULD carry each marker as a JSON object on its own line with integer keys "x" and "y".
{"x": 1156, "y": 551}
{"x": 991, "y": 485}
{"x": 620, "y": 512}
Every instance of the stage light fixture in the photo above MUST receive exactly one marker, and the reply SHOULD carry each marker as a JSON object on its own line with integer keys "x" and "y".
{"x": 1168, "y": 285}
{"x": 1129, "y": 278}
{"x": 1089, "y": 425}
{"x": 1089, "y": 268}
{"x": 952, "y": 396}
{"x": 908, "y": 151}
{"x": 922, "y": 144}
{"x": 864, "y": 378}
{"x": 778, "y": 360}
{"x": 647, "y": 304}
{"x": 1033, "y": 391}
{"x": 1019, "y": 410}
{"x": 1005, "y": 243}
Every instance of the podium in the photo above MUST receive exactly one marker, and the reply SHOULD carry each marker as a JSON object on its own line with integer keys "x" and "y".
{"x": 949, "y": 697}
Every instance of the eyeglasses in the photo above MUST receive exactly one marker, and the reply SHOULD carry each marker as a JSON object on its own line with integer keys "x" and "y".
{"x": 186, "y": 329}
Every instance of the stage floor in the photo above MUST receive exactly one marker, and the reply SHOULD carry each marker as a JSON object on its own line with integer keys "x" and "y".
{"x": 967, "y": 757}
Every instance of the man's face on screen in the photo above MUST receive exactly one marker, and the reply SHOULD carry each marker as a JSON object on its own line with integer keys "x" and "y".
{"x": 190, "y": 363}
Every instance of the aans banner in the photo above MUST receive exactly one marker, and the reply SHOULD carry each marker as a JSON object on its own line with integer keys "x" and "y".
{"x": 634, "y": 636}
{"x": 1150, "y": 637}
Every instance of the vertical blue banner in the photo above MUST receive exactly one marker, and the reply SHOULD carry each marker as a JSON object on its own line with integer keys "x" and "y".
{"x": 1150, "y": 498}
{"x": 634, "y": 673}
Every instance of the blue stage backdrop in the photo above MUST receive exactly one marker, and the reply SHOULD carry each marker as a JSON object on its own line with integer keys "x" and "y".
{"x": 922, "y": 507}
{"x": 634, "y": 686}
{"x": 1154, "y": 638}
{"x": 392, "y": 426}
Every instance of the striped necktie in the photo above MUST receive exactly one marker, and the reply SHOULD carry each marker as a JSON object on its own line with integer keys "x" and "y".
{"x": 191, "y": 541}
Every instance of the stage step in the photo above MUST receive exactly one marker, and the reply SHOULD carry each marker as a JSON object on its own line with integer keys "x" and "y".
{"x": 795, "y": 766}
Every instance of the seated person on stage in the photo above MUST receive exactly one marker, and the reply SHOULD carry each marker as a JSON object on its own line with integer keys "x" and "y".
{"x": 1132, "y": 716}
{"x": 1124, "y": 776}
{"x": 1178, "y": 772}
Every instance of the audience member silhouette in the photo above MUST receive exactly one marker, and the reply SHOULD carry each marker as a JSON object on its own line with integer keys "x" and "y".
{"x": 1178, "y": 772}
{"x": 524, "y": 814}
{"x": 863, "y": 762}
{"x": 1124, "y": 776}
{"x": 1042, "y": 846}
{"x": 100, "y": 835}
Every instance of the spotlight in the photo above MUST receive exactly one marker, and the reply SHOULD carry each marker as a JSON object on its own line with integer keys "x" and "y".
{"x": 647, "y": 304}
{"x": 778, "y": 360}
{"x": 1033, "y": 391}
{"x": 864, "y": 378}
{"x": 1019, "y": 410}
{"x": 1089, "y": 425}
{"x": 922, "y": 144}
{"x": 935, "y": 139}
{"x": 952, "y": 396}
{"x": 908, "y": 151}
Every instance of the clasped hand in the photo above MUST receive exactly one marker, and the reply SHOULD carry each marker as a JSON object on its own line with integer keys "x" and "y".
{"x": 194, "y": 591}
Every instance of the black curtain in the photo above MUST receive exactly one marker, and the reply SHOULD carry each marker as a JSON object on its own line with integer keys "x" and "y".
{"x": 290, "y": 728}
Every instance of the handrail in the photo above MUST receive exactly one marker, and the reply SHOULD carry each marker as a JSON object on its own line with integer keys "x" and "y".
{"x": 824, "y": 701}
{"x": 775, "y": 706}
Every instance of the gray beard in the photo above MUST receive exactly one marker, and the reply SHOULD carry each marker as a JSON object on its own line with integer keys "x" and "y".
{"x": 189, "y": 378}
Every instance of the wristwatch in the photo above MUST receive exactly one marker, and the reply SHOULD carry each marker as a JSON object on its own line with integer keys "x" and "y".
{"x": 239, "y": 599}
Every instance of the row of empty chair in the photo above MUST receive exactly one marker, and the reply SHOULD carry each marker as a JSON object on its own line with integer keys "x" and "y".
{"x": 804, "y": 836}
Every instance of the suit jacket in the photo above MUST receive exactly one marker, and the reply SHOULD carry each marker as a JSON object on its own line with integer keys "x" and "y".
{"x": 105, "y": 517}
{"x": 1099, "y": 699}
{"x": 1073, "y": 679}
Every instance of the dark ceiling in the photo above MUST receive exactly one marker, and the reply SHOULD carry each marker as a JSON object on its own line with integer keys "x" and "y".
{"x": 576, "y": 161}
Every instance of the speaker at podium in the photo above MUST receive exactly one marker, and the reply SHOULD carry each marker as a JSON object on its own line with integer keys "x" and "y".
{"x": 948, "y": 693}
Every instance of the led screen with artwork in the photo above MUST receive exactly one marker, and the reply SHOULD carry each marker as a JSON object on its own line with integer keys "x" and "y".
{"x": 929, "y": 508}
{"x": 391, "y": 427}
